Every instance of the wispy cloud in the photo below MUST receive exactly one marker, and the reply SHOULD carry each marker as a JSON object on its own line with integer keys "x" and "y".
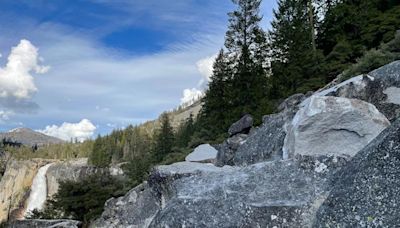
{"x": 86, "y": 72}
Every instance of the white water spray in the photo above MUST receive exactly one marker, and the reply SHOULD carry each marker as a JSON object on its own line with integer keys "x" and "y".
{"x": 38, "y": 194}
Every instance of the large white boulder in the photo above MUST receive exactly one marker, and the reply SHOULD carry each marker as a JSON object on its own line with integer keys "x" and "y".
{"x": 204, "y": 153}
{"x": 333, "y": 126}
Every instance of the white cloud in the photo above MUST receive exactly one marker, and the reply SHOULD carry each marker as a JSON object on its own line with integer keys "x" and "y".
{"x": 190, "y": 96}
{"x": 67, "y": 131}
{"x": 5, "y": 115}
{"x": 205, "y": 67}
{"x": 16, "y": 80}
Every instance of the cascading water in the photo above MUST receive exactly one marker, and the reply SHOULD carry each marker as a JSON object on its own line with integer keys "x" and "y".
{"x": 38, "y": 194}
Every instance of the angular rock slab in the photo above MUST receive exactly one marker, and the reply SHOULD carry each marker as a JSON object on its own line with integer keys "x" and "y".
{"x": 264, "y": 143}
{"x": 267, "y": 194}
{"x": 241, "y": 126}
{"x": 203, "y": 153}
{"x": 333, "y": 126}
{"x": 366, "y": 192}
{"x": 136, "y": 209}
{"x": 227, "y": 150}
{"x": 380, "y": 87}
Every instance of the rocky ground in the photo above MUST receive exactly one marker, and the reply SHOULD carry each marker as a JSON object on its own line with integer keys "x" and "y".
{"x": 328, "y": 159}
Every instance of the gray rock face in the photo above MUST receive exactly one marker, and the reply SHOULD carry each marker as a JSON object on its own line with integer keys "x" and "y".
{"x": 68, "y": 171}
{"x": 280, "y": 193}
{"x": 263, "y": 144}
{"x": 227, "y": 150}
{"x": 241, "y": 126}
{"x": 38, "y": 223}
{"x": 203, "y": 153}
{"x": 333, "y": 126}
{"x": 136, "y": 209}
{"x": 291, "y": 102}
{"x": 366, "y": 192}
{"x": 380, "y": 87}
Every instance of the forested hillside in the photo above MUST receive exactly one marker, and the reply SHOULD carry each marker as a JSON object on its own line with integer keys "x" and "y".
{"x": 309, "y": 44}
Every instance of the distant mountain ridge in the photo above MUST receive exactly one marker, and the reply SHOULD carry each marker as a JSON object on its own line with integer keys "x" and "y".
{"x": 29, "y": 137}
{"x": 176, "y": 116}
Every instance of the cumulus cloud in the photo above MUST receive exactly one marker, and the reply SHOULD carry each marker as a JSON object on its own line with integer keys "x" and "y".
{"x": 16, "y": 81}
{"x": 205, "y": 67}
{"x": 67, "y": 131}
{"x": 15, "y": 78}
{"x": 190, "y": 96}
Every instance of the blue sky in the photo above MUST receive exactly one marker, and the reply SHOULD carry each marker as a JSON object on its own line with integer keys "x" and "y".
{"x": 113, "y": 62}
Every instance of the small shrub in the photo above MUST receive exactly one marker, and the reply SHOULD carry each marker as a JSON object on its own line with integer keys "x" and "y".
{"x": 372, "y": 59}
{"x": 375, "y": 58}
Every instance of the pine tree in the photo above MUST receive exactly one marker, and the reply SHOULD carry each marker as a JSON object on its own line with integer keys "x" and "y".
{"x": 164, "y": 139}
{"x": 100, "y": 155}
{"x": 294, "y": 59}
{"x": 185, "y": 132}
{"x": 216, "y": 103}
{"x": 246, "y": 42}
{"x": 359, "y": 26}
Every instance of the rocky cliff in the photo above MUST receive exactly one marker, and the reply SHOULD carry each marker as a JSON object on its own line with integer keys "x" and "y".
{"x": 73, "y": 170}
{"x": 328, "y": 159}
{"x": 15, "y": 185}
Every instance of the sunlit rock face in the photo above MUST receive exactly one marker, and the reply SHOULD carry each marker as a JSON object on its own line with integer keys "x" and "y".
{"x": 203, "y": 153}
{"x": 333, "y": 126}
{"x": 380, "y": 87}
{"x": 366, "y": 192}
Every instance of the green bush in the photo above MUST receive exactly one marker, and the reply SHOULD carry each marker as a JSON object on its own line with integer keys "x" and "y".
{"x": 371, "y": 60}
{"x": 374, "y": 59}
{"x": 83, "y": 200}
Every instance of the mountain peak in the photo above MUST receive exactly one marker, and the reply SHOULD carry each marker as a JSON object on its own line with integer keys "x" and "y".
{"x": 29, "y": 137}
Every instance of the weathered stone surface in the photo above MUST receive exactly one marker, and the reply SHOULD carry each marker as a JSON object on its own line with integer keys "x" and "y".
{"x": 136, "y": 209}
{"x": 380, "y": 87}
{"x": 203, "y": 153}
{"x": 73, "y": 170}
{"x": 241, "y": 126}
{"x": 366, "y": 192}
{"x": 280, "y": 193}
{"x": 264, "y": 143}
{"x": 38, "y": 223}
{"x": 227, "y": 150}
{"x": 333, "y": 126}
{"x": 292, "y": 102}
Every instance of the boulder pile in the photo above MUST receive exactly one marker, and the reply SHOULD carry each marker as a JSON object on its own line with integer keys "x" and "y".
{"x": 327, "y": 159}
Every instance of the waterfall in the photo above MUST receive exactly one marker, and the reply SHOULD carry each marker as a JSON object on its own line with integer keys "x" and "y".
{"x": 38, "y": 194}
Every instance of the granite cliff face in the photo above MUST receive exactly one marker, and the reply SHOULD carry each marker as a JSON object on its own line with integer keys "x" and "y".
{"x": 325, "y": 160}
{"x": 14, "y": 187}
{"x": 73, "y": 170}
{"x": 16, "y": 184}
